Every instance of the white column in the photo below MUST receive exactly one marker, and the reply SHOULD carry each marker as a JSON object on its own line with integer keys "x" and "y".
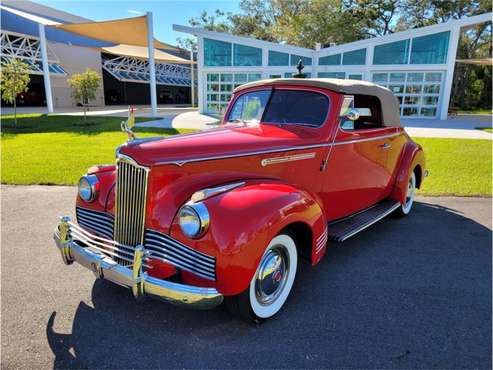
{"x": 449, "y": 75}
{"x": 192, "y": 78}
{"x": 152, "y": 67}
{"x": 46, "y": 69}
{"x": 200, "y": 75}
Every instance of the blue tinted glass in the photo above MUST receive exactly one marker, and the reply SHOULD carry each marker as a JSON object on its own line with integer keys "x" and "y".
{"x": 288, "y": 75}
{"x": 247, "y": 55}
{"x": 217, "y": 53}
{"x": 277, "y": 58}
{"x": 249, "y": 106}
{"x": 296, "y": 58}
{"x": 341, "y": 75}
{"x": 355, "y": 57}
{"x": 391, "y": 53}
{"x": 431, "y": 49}
{"x": 331, "y": 60}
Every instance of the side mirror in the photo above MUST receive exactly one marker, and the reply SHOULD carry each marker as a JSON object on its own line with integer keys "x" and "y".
{"x": 352, "y": 114}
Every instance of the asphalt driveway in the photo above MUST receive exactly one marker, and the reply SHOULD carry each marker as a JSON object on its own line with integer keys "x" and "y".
{"x": 406, "y": 293}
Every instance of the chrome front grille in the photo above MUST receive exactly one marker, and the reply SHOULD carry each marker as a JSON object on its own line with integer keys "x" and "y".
{"x": 130, "y": 202}
{"x": 100, "y": 222}
{"x": 162, "y": 247}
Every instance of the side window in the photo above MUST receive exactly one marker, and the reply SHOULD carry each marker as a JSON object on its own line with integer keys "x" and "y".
{"x": 370, "y": 114}
{"x": 249, "y": 106}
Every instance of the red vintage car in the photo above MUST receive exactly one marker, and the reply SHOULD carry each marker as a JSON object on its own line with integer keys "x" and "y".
{"x": 224, "y": 214}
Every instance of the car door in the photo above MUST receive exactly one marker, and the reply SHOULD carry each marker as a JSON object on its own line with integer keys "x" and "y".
{"x": 357, "y": 171}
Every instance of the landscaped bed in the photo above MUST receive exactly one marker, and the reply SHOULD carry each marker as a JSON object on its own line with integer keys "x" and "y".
{"x": 58, "y": 149}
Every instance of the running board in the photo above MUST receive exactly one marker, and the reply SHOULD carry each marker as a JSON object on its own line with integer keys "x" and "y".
{"x": 344, "y": 228}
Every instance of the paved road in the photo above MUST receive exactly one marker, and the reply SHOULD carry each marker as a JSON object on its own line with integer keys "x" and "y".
{"x": 407, "y": 293}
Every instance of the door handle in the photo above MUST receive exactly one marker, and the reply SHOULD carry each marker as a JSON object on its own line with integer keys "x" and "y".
{"x": 386, "y": 146}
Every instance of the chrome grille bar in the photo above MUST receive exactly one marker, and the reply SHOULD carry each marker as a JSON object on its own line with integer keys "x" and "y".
{"x": 130, "y": 202}
{"x": 162, "y": 247}
{"x": 100, "y": 222}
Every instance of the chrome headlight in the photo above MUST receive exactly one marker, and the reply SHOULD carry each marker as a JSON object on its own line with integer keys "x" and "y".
{"x": 194, "y": 219}
{"x": 88, "y": 187}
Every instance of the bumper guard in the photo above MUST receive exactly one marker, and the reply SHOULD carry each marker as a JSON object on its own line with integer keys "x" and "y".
{"x": 133, "y": 276}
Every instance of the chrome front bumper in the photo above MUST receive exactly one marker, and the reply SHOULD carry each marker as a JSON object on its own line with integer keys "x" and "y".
{"x": 87, "y": 254}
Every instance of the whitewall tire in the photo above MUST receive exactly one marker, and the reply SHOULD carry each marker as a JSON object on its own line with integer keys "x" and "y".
{"x": 272, "y": 282}
{"x": 406, "y": 207}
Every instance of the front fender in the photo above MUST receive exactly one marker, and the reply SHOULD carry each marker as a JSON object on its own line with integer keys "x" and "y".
{"x": 412, "y": 157}
{"x": 244, "y": 220}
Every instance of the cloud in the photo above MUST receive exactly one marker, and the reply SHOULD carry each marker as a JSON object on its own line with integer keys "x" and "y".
{"x": 132, "y": 11}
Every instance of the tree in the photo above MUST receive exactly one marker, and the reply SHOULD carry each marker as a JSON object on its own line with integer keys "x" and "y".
{"x": 84, "y": 87}
{"x": 14, "y": 78}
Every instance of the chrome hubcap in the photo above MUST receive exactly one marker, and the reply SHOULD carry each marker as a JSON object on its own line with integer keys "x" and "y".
{"x": 411, "y": 188}
{"x": 272, "y": 275}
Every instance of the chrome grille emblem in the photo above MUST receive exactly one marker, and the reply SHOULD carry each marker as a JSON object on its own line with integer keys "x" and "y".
{"x": 130, "y": 202}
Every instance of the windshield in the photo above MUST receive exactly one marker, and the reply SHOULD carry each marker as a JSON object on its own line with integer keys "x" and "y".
{"x": 305, "y": 108}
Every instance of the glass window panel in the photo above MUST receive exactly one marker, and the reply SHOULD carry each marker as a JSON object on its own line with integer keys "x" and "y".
{"x": 241, "y": 77}
{"x": 397, "y": 77}
{"x": 296, "y": 58}
{"x": 227, "y": 87}
{"x": 213, "y": 77}
{"x": 428, "y": 112}
{"x": 391, "y": 53}
{"x": 355, "y": 57}
{"x": 225, "y": 97}
{"x": 432, "y": 89}
{"x": 410, "y": 111}
{"x": 254, "y": 76}
{"x": 217, "y": 53}
{"x": 297, "y": 107}
{"x": 341, "y": 75}
{"x": 250, "y": 106}
{"x": 433, "y": 77}
{"x": 355, "y": 77}
{"x": 288, "y": 75}
{"x": 431, "y": 49}
{"x": 397, "y": 89}
{"x": 413, "y": 89}
{"x": 277, "y": 58}
{"x": 226, "y": 77}
{"x": 330, "y": 60}
{"x": 246, "y": 55}
{"x": 308, "y": 75}
{"x": 412, "y": 100}
{"x": 212, "y": 87}
{"x": 380, "y": 77}
{"x": 430, "y": 100}
{"x": 274, "y": 76}
{"x": 415, "y": 77}
{"x": 399, "y": 98}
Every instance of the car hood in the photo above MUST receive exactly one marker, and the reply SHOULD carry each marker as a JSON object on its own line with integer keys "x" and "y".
{"x": 226, "y": 141}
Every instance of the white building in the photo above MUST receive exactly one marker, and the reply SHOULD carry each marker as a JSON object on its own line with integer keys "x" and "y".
{"x": 417, "y": 65}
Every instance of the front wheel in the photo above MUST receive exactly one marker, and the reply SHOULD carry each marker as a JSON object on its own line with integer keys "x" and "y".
{"x": 271, "y": 284}
{"x": 405, "y": 207}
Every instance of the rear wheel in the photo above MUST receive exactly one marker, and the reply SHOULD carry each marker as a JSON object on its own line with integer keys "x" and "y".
{"x": 271, "y": 284}
{"x": 405, "y": 207}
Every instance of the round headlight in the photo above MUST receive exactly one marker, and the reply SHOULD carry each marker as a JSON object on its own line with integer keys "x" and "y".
{"x": 194, "y": 219}
{"x": 88, "y": 187}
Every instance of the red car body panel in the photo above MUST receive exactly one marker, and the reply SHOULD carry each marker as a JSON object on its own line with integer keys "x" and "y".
{"x": 345, "y": 172}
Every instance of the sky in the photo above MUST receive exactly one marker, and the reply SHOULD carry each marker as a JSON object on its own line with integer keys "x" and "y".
{"x": 165, "y": 12}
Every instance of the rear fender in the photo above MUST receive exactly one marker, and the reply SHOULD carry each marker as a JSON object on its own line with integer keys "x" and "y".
{"x": 244, "y": 220}
{"x": 412, "y": 157}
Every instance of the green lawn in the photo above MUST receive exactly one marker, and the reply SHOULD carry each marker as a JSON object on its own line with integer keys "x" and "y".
{"x": 475, "y": 111}
{"x": 58, "y": 149}
{"x": 457, "y": 167}
{"x": 487, "y": 129}
{"x": 44, "y": 149}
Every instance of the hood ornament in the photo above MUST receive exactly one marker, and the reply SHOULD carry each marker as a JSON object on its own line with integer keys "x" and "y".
{"x": 129, "y": 124}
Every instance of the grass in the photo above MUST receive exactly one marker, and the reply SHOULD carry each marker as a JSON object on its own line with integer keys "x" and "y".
{"x": 476, "y": 111}
{"x": 51, "y": 150}
{"x": 43, "y": 149}
{"x": 460, "y": 167}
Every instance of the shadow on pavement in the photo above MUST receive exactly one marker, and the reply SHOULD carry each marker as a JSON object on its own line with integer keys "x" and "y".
{"x": 406, "y": 293}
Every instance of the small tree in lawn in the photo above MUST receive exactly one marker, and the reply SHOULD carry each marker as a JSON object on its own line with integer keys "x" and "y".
{"x": 14, "y": 78}
{"x": 84, "y": 87}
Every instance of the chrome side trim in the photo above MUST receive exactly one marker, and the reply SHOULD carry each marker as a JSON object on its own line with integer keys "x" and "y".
{"x": 204, "y": 194}
{"x": 279, "y": 150}
{"x": 289, "y": 158}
